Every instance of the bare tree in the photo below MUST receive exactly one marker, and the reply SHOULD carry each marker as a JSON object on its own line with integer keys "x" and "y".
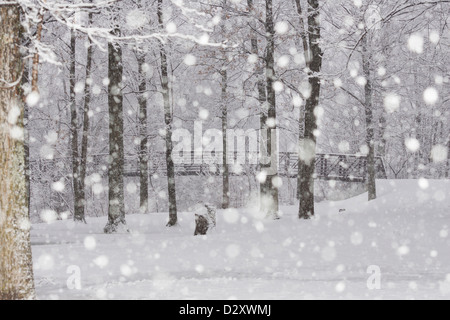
{"x": 78, "y": 196}
{"x": 86, "y": 123}
{"x": 368, "y": 107}
{"x": 116, "y": 208}
{"x": 262, "y": 99}
{"x": 168, "y": 119}
{"x": 35, "y": 88}
{"x": 224, "y": 96}
{"x": 143, "y": 133}
{"x": 307, "y": 144}
{"x": 226, "y": 170}
{"x": 270, "y": 189}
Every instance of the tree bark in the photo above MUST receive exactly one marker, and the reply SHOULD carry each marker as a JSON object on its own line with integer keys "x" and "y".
{"x": 26, "y": 141}
{"x": 265, "y": 155}
{"x": 35, "y": 88}
{"x": 270, "y": 190}
{"x": 143, "y": 133}
{"x": 370, "y": 132}
{"x": 307, "y": 144}
{"x": 226, "y": 171}
{"x": 78, "y": 197}
{"x": 16, "y": 268}
{"x": 447, "y": 168}
{"x": 86, "y": 126}
{"x": 168, "y": 119}
{"x": 116, "y": 208}
{"x": 307, "y": 54}
{"x": 224, "y": 96}
{"x": 36, "y": 57}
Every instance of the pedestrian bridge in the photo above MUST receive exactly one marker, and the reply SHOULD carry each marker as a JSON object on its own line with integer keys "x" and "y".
{"x": 338, "y": 167}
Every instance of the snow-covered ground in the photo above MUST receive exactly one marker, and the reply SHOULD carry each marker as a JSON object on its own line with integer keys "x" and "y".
{"x": 404, "y": 235}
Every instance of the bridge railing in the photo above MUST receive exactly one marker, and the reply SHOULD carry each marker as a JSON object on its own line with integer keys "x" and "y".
{"x": 352, "y": 168}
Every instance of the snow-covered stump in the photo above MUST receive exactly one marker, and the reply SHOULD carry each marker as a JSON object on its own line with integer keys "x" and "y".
{"x": 205, "y": 219}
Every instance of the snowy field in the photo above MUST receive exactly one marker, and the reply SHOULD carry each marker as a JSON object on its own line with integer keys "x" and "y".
{"x": 404, "y": 235}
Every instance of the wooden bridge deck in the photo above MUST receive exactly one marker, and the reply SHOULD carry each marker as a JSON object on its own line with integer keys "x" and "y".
{"x": 348, "y": 168}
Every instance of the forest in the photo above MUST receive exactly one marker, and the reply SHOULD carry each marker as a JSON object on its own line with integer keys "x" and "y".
{"x": 137, "y": 123}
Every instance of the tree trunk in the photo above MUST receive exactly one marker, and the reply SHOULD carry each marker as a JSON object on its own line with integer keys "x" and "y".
{"x": 262, "y": 99}
{"x": 143, "y": 133}
{"x": 16, "y": 267}
{"x": 35, "y": 88}
{"x": 36, "y": 57}
{"x": 370, "y": 131}
{"x": 78, "y": 198}
{"x": 26, "y": 141}
{"x": 382, "y": 124}
{"x": 307, "y": 145}
{"x": 270, "y": 189}
{"x": 86, "y": 126}
{"x": 226, "y": 171}
{"x": 168, "y": 118}
{"x": 301, "y": 136}
{"x": 301, "y": 123}
{"x": 116, "y": 208}
{"x": 447, "y": 168}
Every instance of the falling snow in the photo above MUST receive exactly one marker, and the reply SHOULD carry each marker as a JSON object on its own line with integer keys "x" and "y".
{"x": 205, "y": 74}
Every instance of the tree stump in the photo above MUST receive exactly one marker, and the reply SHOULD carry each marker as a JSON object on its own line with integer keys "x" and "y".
{"x": 205, "y": 221}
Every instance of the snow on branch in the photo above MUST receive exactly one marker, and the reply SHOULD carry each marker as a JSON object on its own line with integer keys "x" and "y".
{"x": 8, "y": 3}
{"x": 57, "y": 10}
{"x": 63, "y": 6}
{"x": 400, "y": 10}
{"x": 187, "y": 11}
{"x": 9, "y": 85}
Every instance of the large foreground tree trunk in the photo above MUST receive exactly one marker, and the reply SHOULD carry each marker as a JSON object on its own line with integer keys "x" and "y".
{"x": 16, "y": 273}
{"x": 307, "y": 143}
{"x": 116, "y": 209}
